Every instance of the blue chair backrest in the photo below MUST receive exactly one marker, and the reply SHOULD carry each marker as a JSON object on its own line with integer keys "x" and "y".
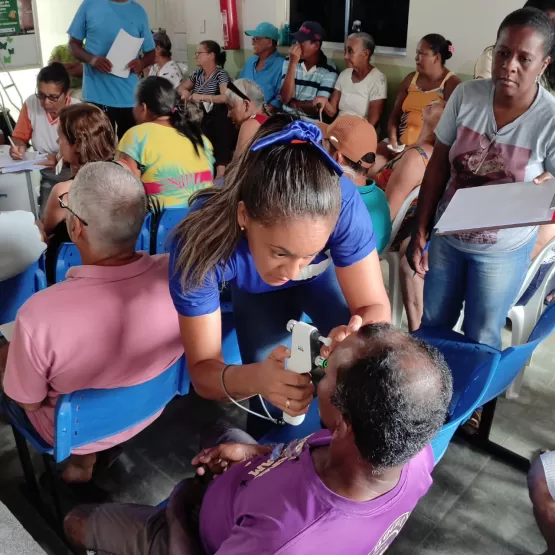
{"x": 91, "y": 415}
{"x": 143, "y": 242}
{"x": 16, "y": 290}
{"x": 68, "y": 256}
{"x": 170, "y": 218}
{"x": 514, "y": 358}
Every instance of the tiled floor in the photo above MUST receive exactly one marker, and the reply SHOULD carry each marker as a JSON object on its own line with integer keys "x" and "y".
{"x": 476, "y": 506}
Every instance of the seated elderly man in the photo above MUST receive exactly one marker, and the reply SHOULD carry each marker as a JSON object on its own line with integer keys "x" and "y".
{"x": 110, "y": 324}
{"x": 541, "y": 484}
{"x": 347, "y": 489}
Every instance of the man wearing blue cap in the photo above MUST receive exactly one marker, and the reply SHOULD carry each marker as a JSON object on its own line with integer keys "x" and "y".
{"x": 264, "y": 68}
{"x": 308, "y": 76}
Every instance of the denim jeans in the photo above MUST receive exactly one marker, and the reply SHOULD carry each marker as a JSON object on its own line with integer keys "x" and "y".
{"x": 487, "y": 283}
{"x": 261, "y": 321}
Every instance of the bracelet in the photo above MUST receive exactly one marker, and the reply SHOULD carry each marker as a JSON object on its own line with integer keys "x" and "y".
{"x": 222, "y": 380}
{"x": 93, "y": 60}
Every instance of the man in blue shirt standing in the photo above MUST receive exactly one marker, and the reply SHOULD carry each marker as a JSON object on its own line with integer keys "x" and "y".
{"x": 99, "y": 22}
{"x": 264, "y": 68}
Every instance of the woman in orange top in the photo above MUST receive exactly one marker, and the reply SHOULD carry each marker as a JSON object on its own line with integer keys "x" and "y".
{"x": 431, "y": 81}
{"x": 398, "y": 178}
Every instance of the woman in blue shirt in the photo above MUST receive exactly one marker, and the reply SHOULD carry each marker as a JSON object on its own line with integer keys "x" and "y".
{"x": 290, "y": 235}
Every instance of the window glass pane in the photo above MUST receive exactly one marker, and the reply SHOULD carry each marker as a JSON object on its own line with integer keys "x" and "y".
{"x": 329, "y": 13}
{"x": 386, "y": 21}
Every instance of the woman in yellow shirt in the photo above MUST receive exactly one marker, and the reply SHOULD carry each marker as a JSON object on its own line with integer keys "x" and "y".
{"x": 165, "y": 150}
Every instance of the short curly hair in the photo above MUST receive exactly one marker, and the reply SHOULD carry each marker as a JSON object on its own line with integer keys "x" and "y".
{"x": 395, "y": 395}
{"x": 88, "y": 128}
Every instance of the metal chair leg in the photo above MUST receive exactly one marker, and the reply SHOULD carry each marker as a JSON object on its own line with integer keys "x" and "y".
{"x": 47, "y": 460}
{"x": 28, "y": 469}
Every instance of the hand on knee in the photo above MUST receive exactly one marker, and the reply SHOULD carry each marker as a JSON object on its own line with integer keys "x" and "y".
{"x": 75, "y": 525}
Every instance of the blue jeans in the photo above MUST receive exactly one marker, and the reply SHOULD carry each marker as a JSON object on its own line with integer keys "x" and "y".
{"x": 261, "y": 318}
{"x": 261, "y": 321}
{"x": 487, "y": 284}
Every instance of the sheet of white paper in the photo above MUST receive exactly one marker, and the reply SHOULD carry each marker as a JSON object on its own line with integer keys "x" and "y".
{"x": 7, "y": 330}
{"x": 498, "y": 206}
{"x": 6, "y": 160}
{"x": 124, "y": 49}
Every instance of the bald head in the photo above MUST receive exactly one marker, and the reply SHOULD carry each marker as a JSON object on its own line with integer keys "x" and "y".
{"x": 394, "y": 390}
{"x": 113, "y": 203}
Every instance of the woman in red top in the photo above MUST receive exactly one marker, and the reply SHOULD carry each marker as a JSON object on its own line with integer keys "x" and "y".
{"x": 246, "y": 109}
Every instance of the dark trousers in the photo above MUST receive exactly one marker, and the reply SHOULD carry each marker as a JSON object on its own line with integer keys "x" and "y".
{"x": 121, "y": 118}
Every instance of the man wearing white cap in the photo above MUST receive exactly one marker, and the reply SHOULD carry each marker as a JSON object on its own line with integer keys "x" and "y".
{"x": 264, "y": 68}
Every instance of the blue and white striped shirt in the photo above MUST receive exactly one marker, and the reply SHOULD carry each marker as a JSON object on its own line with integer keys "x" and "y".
{"x": 318, "y": 81}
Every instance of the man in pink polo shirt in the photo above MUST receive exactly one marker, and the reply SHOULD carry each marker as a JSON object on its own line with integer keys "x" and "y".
{"x": 112, "y": 323}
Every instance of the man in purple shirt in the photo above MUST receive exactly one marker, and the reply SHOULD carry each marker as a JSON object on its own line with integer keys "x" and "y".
{"x": 347, "y": 489}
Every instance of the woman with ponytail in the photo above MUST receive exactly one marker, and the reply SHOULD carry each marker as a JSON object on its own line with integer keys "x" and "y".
{"x": 291, "y": 235}
{"x": 166, "y": 149}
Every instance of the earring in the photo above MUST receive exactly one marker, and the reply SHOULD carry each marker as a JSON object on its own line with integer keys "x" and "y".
{"x": 538, "y": 77}
{"x": 242, "y": 228}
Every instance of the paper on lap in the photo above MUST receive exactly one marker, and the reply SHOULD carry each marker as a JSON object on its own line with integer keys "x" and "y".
{"x": 501, "y": 206}
{"x": 123, "y": 50}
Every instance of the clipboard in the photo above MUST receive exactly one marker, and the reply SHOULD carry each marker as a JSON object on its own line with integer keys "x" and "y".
{"x": 502, "y": 206}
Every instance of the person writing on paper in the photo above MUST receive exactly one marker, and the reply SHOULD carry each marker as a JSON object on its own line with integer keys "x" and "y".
{"x": 38, "y": 124}
{"x": 99, "y": 22}
{"x": 166, "y": 150}
{"x": 361, "y": 89}
{"x": 290, "y": 234}
{"x": 492, "y": 131}
{"x": 431, "y": 81}
{"x": 207, "y": 87}
{"x": 55, "y": 345}
{"x": 348, "y": 489}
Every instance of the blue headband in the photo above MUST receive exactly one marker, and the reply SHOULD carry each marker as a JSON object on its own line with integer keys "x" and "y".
{"x": 302, "y": 131}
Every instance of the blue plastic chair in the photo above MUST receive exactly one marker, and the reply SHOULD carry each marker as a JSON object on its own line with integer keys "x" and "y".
{"x": 69, "y": 256}
{"x": 90, "y": 415}
{"x": 16, "y": 290}
{"x": 170, "y": 218}
{"x": 143, "y": 242}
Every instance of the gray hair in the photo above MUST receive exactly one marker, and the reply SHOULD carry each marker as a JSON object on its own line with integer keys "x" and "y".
{"x": 248, "y": 88}
{"x": 113, "y": 203}
{"x": 368, "y": 42}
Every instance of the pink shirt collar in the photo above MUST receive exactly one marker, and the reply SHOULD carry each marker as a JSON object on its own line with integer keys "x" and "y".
{"x": 113, "y": 273}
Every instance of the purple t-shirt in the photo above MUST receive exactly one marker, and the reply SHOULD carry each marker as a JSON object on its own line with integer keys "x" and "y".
{"x": 265, "y": 507}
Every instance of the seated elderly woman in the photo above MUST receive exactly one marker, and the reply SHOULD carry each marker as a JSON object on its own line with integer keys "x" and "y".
{"x": 361, "y": 89}
{"x": 85, "y": 135}
{"x": 166, "y": 149}
{"x": 245, "y": 108}
{"x": 72, "y": 335}
{"x": 398, "y": 178}
{"x": 38, "y": 123}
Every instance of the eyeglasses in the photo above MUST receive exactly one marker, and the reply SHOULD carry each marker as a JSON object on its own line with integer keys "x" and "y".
{"x": 66, "y": 207}
{"x": 51, "y": 97}
{"x": 197, "y": 54}
{"x": 476, "y": 159}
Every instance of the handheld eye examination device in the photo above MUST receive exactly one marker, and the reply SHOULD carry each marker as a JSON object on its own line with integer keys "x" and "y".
{"x": 305, "y": 358}
{"x": 305, "y": 355}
